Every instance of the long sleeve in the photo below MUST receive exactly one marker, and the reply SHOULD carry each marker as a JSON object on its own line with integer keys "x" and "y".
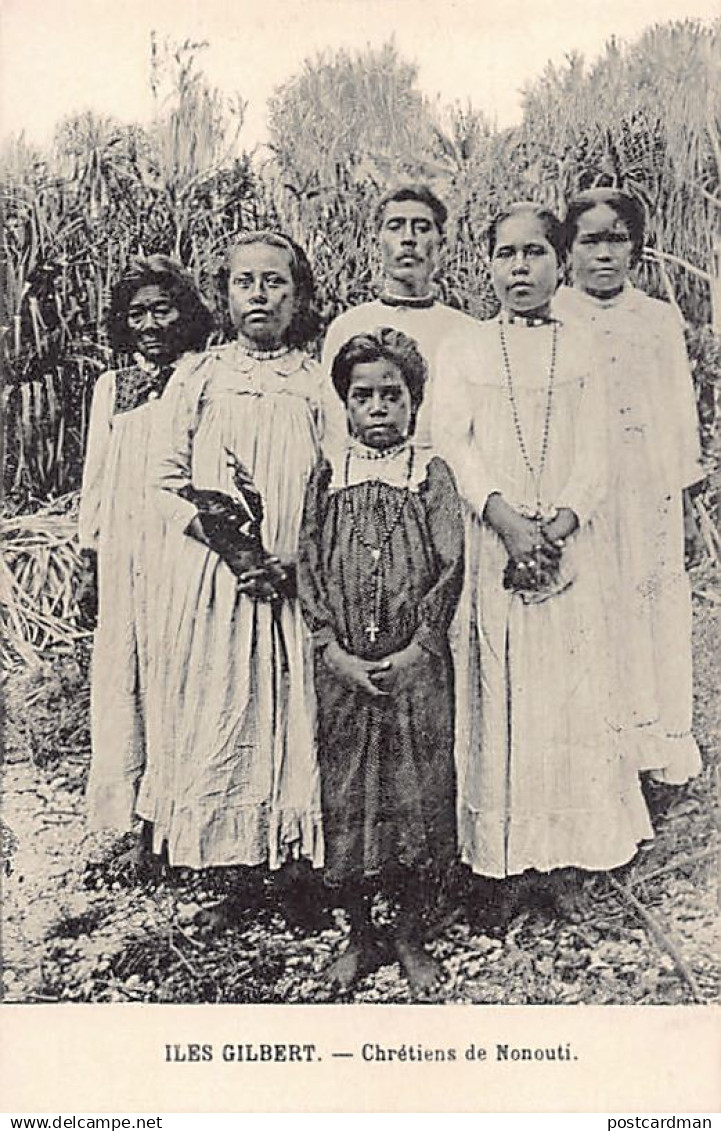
{"x": 99, "y": 431}
{"x": 679, "y": 421}
{"x": 445, "y": 521}
{"x": 172, "y": 444}
{"x": 311, "y": 579}
{"x": 587, "y": 483}
{"x": 454, "y": 406}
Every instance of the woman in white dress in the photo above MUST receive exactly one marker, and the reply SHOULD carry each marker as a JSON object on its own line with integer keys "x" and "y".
{"x": 640, "y": 357}
{"x": 155, "y": 315}
{"x": 542, "y": 786}
{"x": 232, "y": 776}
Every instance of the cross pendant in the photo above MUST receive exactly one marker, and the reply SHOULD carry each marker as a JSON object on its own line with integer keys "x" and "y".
{"x": 372, "y": 631}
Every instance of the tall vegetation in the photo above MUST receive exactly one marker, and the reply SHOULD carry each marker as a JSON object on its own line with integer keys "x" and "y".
{"x": 644, "y": 116}
{"x": 73, "y": 217}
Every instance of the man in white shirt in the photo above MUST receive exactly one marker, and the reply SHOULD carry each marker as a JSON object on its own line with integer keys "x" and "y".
{"x": 410, "y": 224}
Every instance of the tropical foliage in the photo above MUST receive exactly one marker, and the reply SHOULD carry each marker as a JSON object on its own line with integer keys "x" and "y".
{"x": 644, "y": 116}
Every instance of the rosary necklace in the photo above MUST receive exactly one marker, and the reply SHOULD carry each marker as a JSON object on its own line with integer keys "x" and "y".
{"x": 376, "y": 551}
{"x": 535, "y": 474}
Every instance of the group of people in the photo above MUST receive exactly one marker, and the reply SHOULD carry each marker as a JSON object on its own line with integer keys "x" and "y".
{"x": 421, "y": 603}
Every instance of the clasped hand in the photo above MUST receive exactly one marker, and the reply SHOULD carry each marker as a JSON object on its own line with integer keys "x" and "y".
{"x": 376, "y": 678}
{"x": 268, "y": 580}
{"x": 531, "y": 545}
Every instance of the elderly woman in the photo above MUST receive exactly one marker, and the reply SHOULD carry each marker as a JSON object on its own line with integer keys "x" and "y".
{"x": 155, "y": 316}
{"x": 640, "y": 357}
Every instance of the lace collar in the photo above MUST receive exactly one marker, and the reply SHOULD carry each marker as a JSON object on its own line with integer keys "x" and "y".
{"x": 353, "y": 464}
{"x": 284, "y": 362}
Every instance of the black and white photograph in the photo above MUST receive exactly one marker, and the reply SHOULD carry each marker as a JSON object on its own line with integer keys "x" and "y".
{"x": 361, "y": 550}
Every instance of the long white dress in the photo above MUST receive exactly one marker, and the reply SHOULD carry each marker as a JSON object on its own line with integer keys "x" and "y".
{"x": 542, "y": 783}
{"x": 640, "y": 356}
{"x": 120, "y": 523}
{"x": 232, "y": 775}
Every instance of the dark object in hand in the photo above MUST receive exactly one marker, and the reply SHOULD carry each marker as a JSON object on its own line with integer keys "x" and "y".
{"x": 529, "y": 578}
{"x": 224, "y": 521}
{"x": 283, "y": 577}
{"x": 231, "y": 526}
{"x": 86, "y": 594}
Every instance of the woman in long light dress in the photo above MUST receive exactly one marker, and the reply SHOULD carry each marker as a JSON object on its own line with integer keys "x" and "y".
{"x": 520, "y": 419}
{"x": 640, "y": 357}
{"x": 155, "y": 315}
{"x": 232, "y": 776}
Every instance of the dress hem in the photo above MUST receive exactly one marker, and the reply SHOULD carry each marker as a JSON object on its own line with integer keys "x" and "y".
{"x": 594, "y": 842}
{"x": 248, "y": 837}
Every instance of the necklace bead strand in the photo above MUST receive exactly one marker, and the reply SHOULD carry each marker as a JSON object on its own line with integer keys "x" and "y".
{"x": 262, "y": 355}
{"x": 376, "y": 551}
{"x": 535, "y": 475}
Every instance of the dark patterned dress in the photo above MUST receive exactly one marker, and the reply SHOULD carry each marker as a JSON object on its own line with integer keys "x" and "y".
{"x": 387, "y": 770}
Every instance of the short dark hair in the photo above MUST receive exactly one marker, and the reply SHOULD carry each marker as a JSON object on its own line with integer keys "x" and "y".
{"x": 413, "y": 191}
{"x": 195, "y": 322}
{"x": 305, "y": 323}
{"x": 626, "y": 207}
{"x": 383, "y": 344}
{"x": 552, "y": 227}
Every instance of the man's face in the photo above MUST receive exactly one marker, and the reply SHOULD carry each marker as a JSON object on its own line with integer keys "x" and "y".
{"x": 410, "y": 245}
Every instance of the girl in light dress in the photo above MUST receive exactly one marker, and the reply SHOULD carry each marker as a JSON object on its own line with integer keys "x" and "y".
{"x": 640, "y": 358}
{"x": 543, "y": 788}
{"x": 380, "y": 573}
{"x": 232, "y": 777}
{"x": 155, "y": 316}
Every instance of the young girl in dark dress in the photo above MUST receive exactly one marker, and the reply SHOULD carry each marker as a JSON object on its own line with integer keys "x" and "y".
{"x": 379, "y": 577}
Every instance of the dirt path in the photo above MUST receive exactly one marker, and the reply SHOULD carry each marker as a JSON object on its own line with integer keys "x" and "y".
{"x": 650, "y": 937}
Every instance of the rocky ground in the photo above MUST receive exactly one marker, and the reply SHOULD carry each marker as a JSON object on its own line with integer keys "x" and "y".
{"x": 71, "y": 932}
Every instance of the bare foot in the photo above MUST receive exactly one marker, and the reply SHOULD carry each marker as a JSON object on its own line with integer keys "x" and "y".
{"x": 362, "y": 956}
{"x": 128, "y": 861}
{"x": 492, "y": 904}
{"x": 134, "y": 865}
{"x": 568, "y": 897}
{"x": 229, "y": 912}
{"x": 422, "y": 971}
{"x": 218, "y": 917}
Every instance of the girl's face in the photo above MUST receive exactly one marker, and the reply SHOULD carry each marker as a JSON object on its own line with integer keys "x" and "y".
{"x": 261, "y": 293}
{"x": 524, "y": 268}
{"x": 154, "y": 322}
{"x": 601, "y": 252}
{"x": 379, "y": 404}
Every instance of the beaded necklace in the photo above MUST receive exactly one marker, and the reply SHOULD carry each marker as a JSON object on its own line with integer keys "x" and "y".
{"x": 376, "y": 552}
{"x": 262, "y": 355}
{"x": 535, "y": 474}
{"x": 529, "y": 319}
{"x": 411, "y": 302}
{"x": 361, "y": 451}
